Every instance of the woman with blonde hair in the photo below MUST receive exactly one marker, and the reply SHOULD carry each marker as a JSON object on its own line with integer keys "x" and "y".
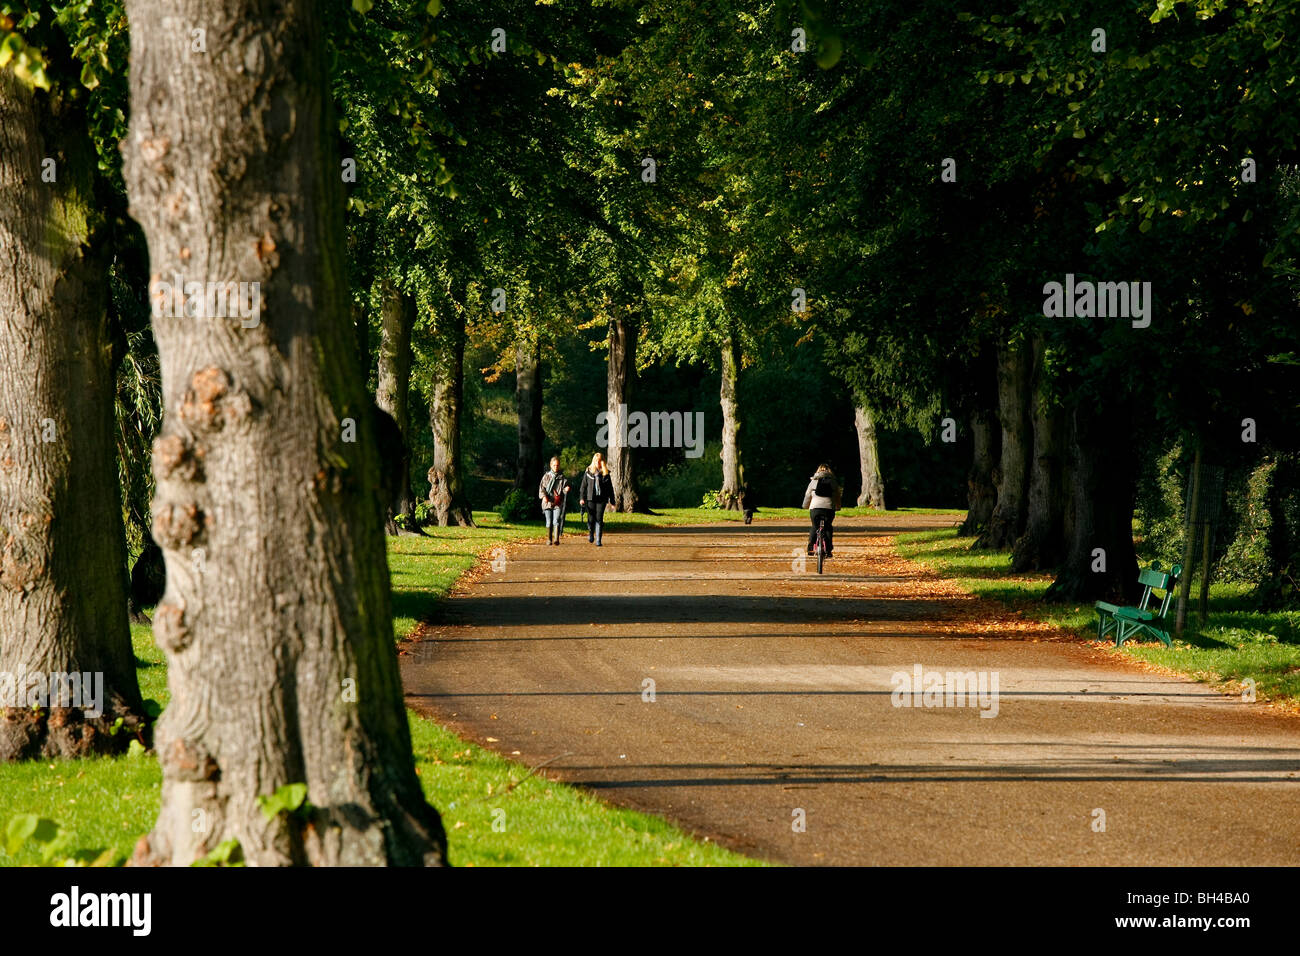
{"x": 597, "y": 491}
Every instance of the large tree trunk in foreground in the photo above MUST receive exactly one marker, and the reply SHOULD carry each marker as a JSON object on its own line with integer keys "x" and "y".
{"x": 63, "y": 589}
{"x": 732, "y": 496}
{"x": 1100, "y": 560}
{"x": 981, "y": 480}
{"x": 873, "y": 485}
{"x": 398, "y": 315}
{"x": 447, "y": 495}
{"x": 279, "y": 635}
{"x": 618, "y": 396}
{"x": 1043, "y": 543}
{"x": 1008, "y": 518}
{"x": 528, "y": 408}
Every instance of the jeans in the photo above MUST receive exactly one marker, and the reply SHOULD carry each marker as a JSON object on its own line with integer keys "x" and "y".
{"x": 552, "y": 518}
{"x": 595, "y": 520}
{"x": 817, "y": 514}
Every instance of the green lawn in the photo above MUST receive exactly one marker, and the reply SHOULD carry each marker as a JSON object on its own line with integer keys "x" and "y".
{"x": 423, "y": 569}
{"x": 1238, "y": 641}
{"x": 109, "y": 802}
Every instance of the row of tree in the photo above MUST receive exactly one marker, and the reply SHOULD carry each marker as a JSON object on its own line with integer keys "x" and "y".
{"x": 898, "y": 182}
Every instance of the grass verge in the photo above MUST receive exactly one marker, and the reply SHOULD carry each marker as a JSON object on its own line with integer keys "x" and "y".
{"x": 493, "y": 815}
{"x": 1237, "y": 643}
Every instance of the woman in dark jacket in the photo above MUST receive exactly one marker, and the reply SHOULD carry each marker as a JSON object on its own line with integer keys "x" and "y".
{"x": 597, "y": 491}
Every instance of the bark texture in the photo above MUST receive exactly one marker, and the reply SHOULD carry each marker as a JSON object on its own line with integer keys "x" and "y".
{"x": 873, "y": 485}
{"x": 63, "y": 584}
{"x": 394, "y": 384}
{"x": 528, "y": 408}
{"x": 981, "y": 480}
{"x": 361, "y": 329}
{"x": 618, "y": 395}
{"x": 1008, "y": 519}
{"x": 1043, "y": 543}
{"x": 447, "y": 495}
{"x": 1100, "y": 521}
{"x": 276, "y": 620}
{"x": 732, "y": 496}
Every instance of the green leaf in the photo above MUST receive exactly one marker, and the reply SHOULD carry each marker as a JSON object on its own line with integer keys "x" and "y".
{"x": 20, "y": 828}
{"x": 433, "y": 8}
{"x": 135, "y": 749}
{"x": 362, "y": 6}
{"x": 58, "y": 847}
{"x": 227, "y": 853}
{"x": 286, "y": 799}
{"x": 10, "y": 45}
{"x": 832, "y": 48}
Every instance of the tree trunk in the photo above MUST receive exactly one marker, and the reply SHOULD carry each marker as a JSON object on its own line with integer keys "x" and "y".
{"x": 361, "y": 328}
{"x": 981, "y": 480}
{"x": 276, "y": 621}
{"x": 1100, "y": 561}
{"x": 1043, "y": 543}
{"x": 63, "y": 587}
{"x": 618, "y": 395}
{"x": 398, "y": 315}
{"x": 1191, "y": 518}
{"x": 528, "y": 407}
{"x": 1008, "y": 518}
{"x": 873, "y": 486}
{"x": 732, "y": 496}
{"x": 447, "y": 495}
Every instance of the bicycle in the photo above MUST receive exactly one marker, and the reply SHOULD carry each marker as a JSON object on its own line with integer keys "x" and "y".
{"x": 820, "y": 545}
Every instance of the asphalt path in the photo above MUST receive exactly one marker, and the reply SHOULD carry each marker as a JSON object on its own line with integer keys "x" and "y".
{"x": 708, "y": 675}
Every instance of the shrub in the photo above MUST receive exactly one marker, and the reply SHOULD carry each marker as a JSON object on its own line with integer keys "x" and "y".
{"x": 517, "y": 506}
{"x": 680, "y": 484}
{"x": 1161, "y": 486}
{"x": 1248, "y": 555}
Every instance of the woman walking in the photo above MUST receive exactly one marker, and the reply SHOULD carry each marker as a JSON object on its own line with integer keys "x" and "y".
{"x": 596, "y": 492}
{"x": 553, "y": 492}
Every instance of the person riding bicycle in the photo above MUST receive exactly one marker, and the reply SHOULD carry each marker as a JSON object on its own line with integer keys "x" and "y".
{"x": 822, "y": 499}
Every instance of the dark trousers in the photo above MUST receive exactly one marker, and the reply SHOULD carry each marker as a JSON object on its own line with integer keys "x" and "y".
{"x": 595, "y": 519}
{"x": 817, "y": 514}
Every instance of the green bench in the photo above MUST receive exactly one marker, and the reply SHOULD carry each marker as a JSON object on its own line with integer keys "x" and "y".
{"x": 1127, "y": 623}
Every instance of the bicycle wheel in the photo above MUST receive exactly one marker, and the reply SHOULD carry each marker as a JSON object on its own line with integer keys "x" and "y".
{"x": 821, "y": 551}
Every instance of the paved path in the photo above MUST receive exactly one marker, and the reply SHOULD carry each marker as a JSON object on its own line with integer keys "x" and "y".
{"x": 772, "y": 700}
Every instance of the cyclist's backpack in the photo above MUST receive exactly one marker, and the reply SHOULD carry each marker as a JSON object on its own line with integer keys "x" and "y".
{"x": 825, "y": 487}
